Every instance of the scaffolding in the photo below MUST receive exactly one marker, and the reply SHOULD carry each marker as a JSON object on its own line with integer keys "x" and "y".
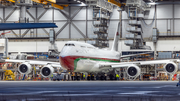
{"x": 100, "y": 24}
{"x": 135, "y": 13}
{"x": 101, "y": 18}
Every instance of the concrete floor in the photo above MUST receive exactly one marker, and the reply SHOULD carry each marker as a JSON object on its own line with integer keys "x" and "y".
{"x": 89, "y": 91}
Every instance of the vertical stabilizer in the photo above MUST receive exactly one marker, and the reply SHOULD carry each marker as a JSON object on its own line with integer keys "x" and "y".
{"x": 116, "y": 38}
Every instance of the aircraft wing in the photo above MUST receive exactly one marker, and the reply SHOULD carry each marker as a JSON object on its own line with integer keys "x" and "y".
{"x": 135, "y": 54}
{"x": 127, "y": 64}
{"x": 53, "y": 64}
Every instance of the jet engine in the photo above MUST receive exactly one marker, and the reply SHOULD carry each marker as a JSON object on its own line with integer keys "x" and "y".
{"x": 171, "y": 68}
{"x": 25, "y": 68}
{"x": 133, "y": 71}
{"x": 47, "y": 71}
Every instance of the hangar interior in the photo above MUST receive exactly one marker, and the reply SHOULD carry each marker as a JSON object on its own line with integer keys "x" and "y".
{"x": 146, "y": 26}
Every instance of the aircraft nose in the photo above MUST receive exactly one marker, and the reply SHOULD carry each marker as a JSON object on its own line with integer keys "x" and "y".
{"x": 66, "y": 51}
{"x": 67, "y": 62}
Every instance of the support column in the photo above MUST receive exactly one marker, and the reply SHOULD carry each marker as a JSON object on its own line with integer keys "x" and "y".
{"x": 22, "y": 18}
{"x": 36, "y": 20}
{"x": 120, "y": 20}
{"x": 6, "y": 48}
{"x": 70, "y": 22}
{"x": 173, "y": 20}
{"x": 155, "y": 43}
{"x": 86, "y": 23}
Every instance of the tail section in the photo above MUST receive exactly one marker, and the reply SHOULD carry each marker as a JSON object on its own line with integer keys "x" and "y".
{"x": 116, "y": 38}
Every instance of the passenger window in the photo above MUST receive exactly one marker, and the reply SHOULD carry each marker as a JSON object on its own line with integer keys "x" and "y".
{"x": 69, "y": 45}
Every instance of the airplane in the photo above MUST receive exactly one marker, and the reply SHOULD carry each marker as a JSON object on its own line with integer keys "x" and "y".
{"x": 83, "y": 57}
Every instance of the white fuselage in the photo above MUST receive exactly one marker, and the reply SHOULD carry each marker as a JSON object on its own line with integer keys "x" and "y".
{"x": 81, "y": 57}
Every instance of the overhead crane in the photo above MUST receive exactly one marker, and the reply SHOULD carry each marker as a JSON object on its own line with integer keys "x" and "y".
{"x": 22, "y": 19}
{"x": 44, "y": 2}
{"x": 51, "y": 2}
{"x": 114, "y": 2}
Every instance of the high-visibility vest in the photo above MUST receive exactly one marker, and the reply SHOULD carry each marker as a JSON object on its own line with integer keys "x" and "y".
{"x": 84, "y": 76}
{"x": 117, "y": 76}
{"x": 51, "y": 75}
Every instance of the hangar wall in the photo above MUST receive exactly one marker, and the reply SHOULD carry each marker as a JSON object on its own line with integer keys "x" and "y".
{"x": 81, "y": 17}
{"x": 81, "y": 20}
{"x": 42, "y": 46}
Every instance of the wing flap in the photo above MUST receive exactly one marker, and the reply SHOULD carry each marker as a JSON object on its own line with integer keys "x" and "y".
{"x": 113, "y": 65}
{"x": 127, "y": 64}
{"x": 154, "y": 62}
{"x": 54, "y": 64}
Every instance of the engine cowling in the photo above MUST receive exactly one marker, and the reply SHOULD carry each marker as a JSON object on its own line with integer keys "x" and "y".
{"x": 171, "y": 68}
{"x": 47, "y": 71}
{"x": 133, "y": 71}
{"x": 25, "y": 68}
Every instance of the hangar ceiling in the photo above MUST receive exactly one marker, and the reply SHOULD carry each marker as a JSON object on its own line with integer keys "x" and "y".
{"x": 67, "y": 1}
{"x": 75, "y": 1}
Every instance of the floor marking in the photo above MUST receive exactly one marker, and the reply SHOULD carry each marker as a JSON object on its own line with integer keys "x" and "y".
{"x": 30, "y": 93}
{"x": 138, "y": 92}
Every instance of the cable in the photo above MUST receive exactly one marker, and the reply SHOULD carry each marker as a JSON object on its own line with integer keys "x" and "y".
{"x": 150, "y": 25}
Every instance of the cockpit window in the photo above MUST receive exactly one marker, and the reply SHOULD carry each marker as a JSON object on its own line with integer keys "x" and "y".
{"x": 69, "y": 45}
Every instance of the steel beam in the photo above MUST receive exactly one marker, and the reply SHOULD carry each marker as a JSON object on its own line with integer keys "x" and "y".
{"x": 120, "y": 19}
{"x": 4, "y": 15}
{"x": 62, "y": 29}
{"x": 86, "y": 22}
{"x": 15, "y": 26}
{"x": 53, "y": 15}
{"x": 78, "y": 30}
{"x": 173, "y": 20}
{"x": 14, "y": 33}
{"x": 19, "y": 33}
{"x": 155, "y": 16}
{"x": 76, "y": 12}
{"x": 64, "y": 14}
{"x": 163, "y": 3}
{"x": 42, "y": 14}
{"x": 11, "y": 13}
{"x": 115, "y": 2}
{"x": 57, "y": 6}
{"x": 79, "y": 5}
{"x": 28, "y": 38}
{"x": 36, "y": 20}
{"x": 1, "y": 19}
{"x": 11, "y": 1}
{"x": 70, "y": 20}
{"x": 30, "y": 14}
{"x": 45, "y": 31}
{"x": 41, "y": 2}
{"x": 25, "y": 33}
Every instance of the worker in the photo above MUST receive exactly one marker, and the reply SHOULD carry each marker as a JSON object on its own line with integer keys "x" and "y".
{"x": 178, "y": 82}
{"x": 89, "y": 77}
{"x": 84, "y": 76}
{"x": 72, "y": 76}
{"x": 92, "y": 77}
{"x": 105, "y": 76}
{"x": 117, "y": 77}
{"x": 52, "y": 77}
{"x": 97, "y": 77}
